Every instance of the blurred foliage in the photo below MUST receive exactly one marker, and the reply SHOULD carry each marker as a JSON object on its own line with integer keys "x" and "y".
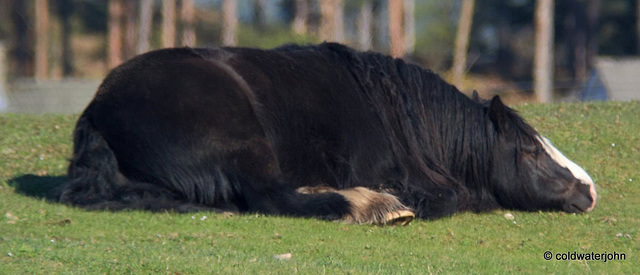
{"x": 273, "y": 37}
{"x": 435, "y": 33}
{"x": 501, "y": 39}
{"x": 618, "y": 33}
{"x": 92, "y": 15}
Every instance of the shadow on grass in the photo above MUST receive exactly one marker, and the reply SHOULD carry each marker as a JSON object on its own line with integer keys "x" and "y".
{"x": 42, "y": 187}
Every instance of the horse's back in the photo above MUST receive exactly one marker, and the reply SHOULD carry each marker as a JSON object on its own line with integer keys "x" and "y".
{"x": 172, "y": 117}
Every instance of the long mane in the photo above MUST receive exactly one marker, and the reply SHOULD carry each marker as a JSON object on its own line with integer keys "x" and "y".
{"x": 434, "y": 129}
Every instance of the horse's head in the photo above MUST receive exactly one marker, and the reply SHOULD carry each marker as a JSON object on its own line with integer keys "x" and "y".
{"x": 529, "y": 173}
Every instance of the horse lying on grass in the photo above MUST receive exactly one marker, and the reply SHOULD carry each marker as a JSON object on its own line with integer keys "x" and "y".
{"x": 311, "y": 131}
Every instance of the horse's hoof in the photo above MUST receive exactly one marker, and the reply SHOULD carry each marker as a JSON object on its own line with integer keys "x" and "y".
{"x": 400, "y": 217}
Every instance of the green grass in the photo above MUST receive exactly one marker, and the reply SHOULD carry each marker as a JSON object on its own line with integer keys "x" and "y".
{"x": 41, "y": 236}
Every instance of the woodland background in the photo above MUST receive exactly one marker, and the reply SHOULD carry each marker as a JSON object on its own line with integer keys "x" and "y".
{"x": 533, "y": 48}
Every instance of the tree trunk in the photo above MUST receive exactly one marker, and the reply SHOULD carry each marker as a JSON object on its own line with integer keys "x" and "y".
{"x": 188, "y": 31}
{"x": 230, "y": 23}
{"x": 146, "y": 20}
{"x": 4, "y": 99}
{"x": 543, "y": 67}
{"x": 301, "y": 17}
{"x": 580, "y": 46}
{"x": 409, "y": 26}
{"x": 22, "y": 51}
{"x": 338, "y": 21}
{"x": 505, "y": 56}
{"x": 115, "y": 33}
{"x": 570, "y": 25}
{"x": 332, "y": 25}
{"x": 637, "y": 25}
{"x": 576, "y": 29}
{"x": 365, "y": 25}
{"x": 327, "y": 22}
{"x": 593, "y": 14}
{"x": 168, "y": 23}
{"x": 462, "y": 42}
{"x": 65, "y": 9}
{"x": 130, "y": 29}
{"x": 259, "y": 17}
{"x": 396, "y": 36}
{"x": 42, "y": 39}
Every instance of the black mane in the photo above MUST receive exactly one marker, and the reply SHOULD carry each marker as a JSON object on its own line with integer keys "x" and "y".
{"x": 399, "y": 92}
{"x": 441, "y": 130}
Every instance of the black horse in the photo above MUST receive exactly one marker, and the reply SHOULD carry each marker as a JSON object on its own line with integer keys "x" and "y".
{"x": 315, "y": 131}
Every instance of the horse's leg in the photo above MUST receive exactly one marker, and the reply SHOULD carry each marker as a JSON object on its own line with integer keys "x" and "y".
{"x": 367, "y": 206}
{"x": 263, "y": 191}
{"x": 431, "y": 202}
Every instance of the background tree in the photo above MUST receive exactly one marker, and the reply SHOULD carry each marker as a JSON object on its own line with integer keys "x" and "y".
{"x": 168, "y": 23}
{"x": 130, "y": 29}
{"x": 188, "y": 31}
{"x": 579, "y": 51}
{"x": 593, "y": 16}
{"x": 21, "y": 48}
{"x": 543, "y": 66}
{"x": 501, "y": 42}
{"x": 115, "y": 34}
{"x": 338, "y": 21}
{"x": 145, "y": 23}
{"x": 574, "y": 36}
{"x": 301, "y": 16}
{"x": 259, "y": 16}
{"x": 462, "y": 42}
{"x": 6, "y": 27}
{"x": 66, "y": 9}
{"x": 396, "y": 35}
{"x": 409, "y": 29}
{"x": 365, "y": 25}
{"x": 326, "y": 25}
{"x": 617, "y": 27}
{"x": 229, "y": 23}
{"x": 332, "y": 26}
{"x": 637, "y": 24}
{"x": 42, "y": 38}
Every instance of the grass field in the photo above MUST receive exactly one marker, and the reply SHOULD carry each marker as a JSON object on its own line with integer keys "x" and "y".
{"x": 38, "y": 235}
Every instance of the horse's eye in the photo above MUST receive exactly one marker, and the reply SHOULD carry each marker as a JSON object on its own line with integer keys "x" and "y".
{"x": 534, "y": 151}
{"x": 537, "y": 150}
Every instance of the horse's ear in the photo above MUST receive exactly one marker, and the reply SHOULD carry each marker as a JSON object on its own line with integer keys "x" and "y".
{"x": 476, "y": 97}
{"x": 498, "y": 113}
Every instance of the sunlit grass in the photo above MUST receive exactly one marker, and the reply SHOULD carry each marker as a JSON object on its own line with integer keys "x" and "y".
{"x": 41, "y": 236}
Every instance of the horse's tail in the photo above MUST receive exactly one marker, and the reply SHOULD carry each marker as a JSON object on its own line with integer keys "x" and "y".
{"x": 95, "y": 181}
{"x": 93, "y": 172}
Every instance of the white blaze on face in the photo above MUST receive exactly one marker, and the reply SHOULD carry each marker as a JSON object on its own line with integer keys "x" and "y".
{"x": 576, "y": 170}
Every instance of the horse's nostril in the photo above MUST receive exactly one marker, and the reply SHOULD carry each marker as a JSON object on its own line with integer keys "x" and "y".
{"x": 575, "y": 209}
{"x": 580, "y": 202}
